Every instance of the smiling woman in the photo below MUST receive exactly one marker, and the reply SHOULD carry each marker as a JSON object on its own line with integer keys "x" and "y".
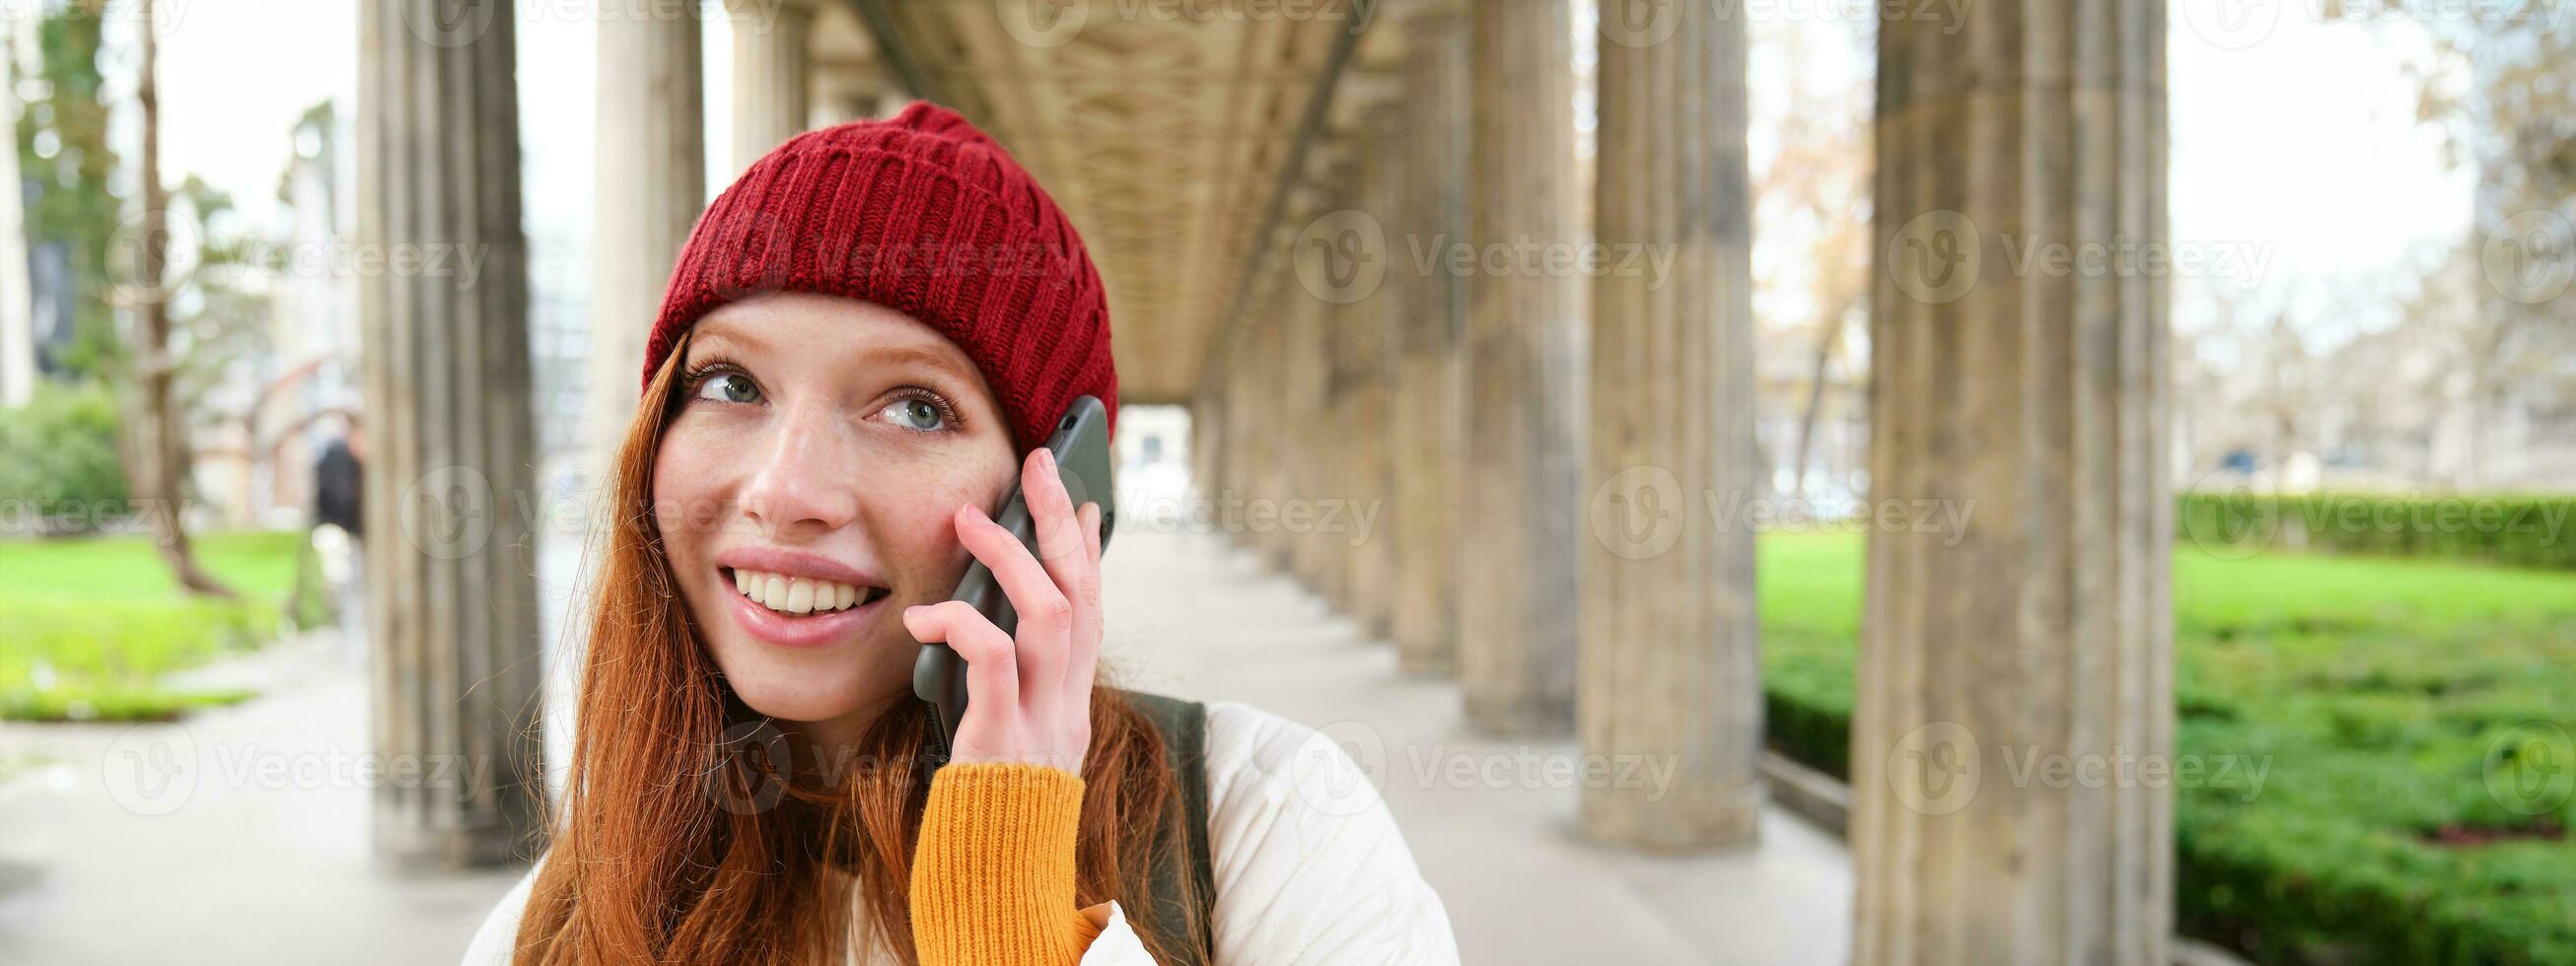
{"x": 823, "y": 428}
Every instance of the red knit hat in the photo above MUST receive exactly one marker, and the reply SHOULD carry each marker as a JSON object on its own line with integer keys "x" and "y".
{"x": 924, "y": 214}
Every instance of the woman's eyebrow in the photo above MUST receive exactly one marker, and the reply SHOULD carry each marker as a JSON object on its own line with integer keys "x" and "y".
{"x": 721, "y": 340}
{"x": 920, "y": 355}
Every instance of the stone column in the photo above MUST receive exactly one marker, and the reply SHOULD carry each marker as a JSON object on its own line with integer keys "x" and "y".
{"x": 451, "y": 605}
{"x": 1368, "y": 414}
{"x": 1525, "y": 395}
{"x": 1314, "y": 454}
{"x": 1208, "y": 440}
{"x": 1255, "y": 430}
{"x": 1344, "y": 263}
{"x": 2032, "y": 407}
{"x": 651, "y": 188}
{"x": 1422, "y": 516}
{"x": 1273, "y": 425}
{"x": 772, "y": 67}
{"x": 1670, "y": 666}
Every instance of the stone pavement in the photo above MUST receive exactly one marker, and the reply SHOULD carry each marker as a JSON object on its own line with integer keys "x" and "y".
{"x": 238, "y": 836}
{"x": 1189, "y": 615}
{"x": 110, "y": 852}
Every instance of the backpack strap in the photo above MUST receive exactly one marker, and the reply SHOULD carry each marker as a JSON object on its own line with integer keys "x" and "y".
{"x": 1183, "y": 725}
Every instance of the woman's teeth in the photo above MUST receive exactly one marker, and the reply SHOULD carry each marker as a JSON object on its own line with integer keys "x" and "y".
{"x": 796, "y": 595}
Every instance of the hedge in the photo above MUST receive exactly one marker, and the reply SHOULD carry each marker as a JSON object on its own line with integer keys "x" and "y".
{"x": 2378, "y": 690}
{"x": 2521, "y": 531}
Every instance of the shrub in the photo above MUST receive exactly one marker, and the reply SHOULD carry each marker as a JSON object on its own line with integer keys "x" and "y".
{"x": 2521, "y": 531}
{"x": 58, "y": 459}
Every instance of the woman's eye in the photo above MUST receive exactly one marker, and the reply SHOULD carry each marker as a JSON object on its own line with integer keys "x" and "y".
{"x": 729, "y": 387}
{"x": 916, "y": 413}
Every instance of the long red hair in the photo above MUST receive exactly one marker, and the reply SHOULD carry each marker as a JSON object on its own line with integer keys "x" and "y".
{"x": 675, "y": 841}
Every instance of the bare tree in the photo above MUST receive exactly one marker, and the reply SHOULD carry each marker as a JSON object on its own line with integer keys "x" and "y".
{"x": 156, "y": 446}
{"x": 1819, "y": 181}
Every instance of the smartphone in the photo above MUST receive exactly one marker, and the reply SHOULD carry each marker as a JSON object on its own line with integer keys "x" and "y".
{"x": 1081, "y": 448}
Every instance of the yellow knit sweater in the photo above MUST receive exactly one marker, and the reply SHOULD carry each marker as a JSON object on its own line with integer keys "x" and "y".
{"x": 992, "y": 876}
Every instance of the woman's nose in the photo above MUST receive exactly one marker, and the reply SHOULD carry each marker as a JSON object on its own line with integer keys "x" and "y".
{"x": 804, "y": 478}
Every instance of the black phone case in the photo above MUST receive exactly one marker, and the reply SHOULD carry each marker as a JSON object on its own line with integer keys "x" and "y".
{"x": 1081, "y": 448}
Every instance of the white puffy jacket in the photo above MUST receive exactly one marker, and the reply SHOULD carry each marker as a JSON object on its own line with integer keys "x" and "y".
{"x": 1310, "y": 869}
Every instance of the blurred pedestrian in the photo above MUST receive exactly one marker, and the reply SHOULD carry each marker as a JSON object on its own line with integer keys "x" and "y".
{"x": 339, "y": 525}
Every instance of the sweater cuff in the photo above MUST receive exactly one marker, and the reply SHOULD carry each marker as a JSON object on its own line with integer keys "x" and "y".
{"x": 993, "y": 872}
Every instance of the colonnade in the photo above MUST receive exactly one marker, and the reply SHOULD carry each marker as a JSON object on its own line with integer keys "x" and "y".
{"x": 1509, "y": 467}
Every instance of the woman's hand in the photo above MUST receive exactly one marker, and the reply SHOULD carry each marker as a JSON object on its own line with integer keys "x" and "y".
{"x": 1027, "y": 700}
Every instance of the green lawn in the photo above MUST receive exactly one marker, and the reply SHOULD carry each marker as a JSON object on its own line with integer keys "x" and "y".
{"x": 88, "y": 627}
{"x": 2378, "y": 687}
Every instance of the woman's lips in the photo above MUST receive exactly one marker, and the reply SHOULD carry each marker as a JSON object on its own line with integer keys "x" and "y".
{"x": 805, "y": 630}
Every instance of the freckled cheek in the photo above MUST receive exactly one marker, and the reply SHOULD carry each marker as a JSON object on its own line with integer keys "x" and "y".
{"x": 917, "y": 518}
{"x": 690, "y": 489}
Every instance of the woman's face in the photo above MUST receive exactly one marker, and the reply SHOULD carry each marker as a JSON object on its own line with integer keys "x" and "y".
{"x": 804, "y": 491}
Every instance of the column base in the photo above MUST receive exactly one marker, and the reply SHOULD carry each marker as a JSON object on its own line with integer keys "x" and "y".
{"x": 1424, "y": 661}
{"x": 1715, "y": 820}
{"x": 409, "y": 848}
{"x": 1521, "y": 717}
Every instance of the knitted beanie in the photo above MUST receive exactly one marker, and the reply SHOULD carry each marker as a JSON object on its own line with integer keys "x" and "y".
{"x": 924, "y": 214}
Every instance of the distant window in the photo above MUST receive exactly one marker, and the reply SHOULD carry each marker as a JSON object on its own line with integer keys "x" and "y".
{"x": 1153, "y": 449}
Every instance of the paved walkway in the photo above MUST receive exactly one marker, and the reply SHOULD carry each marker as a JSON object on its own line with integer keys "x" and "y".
{"x": 231, "y": 865}
{"x": 239, "y": 836}
{"x": 1189, "y": 615}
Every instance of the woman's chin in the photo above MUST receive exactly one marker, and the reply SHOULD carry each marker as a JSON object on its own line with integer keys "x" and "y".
{"x": 821, "y": 685}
